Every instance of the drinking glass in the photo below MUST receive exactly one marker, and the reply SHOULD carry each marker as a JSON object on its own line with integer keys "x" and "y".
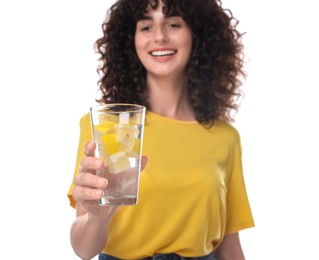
{"x": 117, "y": 130}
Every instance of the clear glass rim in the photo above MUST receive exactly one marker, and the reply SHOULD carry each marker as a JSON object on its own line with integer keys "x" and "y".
{"x": 108, "y": 107}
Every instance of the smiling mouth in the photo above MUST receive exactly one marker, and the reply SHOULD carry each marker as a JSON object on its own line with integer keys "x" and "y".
{"x": 163, "y": 53}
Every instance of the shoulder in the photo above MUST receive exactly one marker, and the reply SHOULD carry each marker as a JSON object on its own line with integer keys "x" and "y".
{"x": 226, "y": 129}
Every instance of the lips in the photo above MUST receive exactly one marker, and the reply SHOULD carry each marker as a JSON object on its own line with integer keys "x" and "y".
{"x": 163, "y": 53}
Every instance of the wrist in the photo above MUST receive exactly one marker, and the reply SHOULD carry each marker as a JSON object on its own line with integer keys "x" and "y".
{"x": 104, "y": 215}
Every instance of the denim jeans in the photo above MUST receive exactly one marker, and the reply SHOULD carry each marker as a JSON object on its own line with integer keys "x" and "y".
{"x": 163, "y": 257}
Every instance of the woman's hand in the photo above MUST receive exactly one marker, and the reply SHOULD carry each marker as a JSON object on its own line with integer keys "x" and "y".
{"x": 88, "y": 187}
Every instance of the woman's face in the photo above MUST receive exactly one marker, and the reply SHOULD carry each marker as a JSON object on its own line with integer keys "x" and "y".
{"x": 163, "y": 44}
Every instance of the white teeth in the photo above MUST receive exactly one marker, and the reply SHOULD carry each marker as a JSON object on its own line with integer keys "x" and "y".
{"x": 162, "y": 53}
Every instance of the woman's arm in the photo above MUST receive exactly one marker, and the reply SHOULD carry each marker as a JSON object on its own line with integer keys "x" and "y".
{"x": 230, "y": 248}
{"x": 89, "y": 230}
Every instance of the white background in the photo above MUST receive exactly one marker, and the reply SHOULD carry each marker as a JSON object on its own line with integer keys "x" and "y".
{"x": 48, "y": 81}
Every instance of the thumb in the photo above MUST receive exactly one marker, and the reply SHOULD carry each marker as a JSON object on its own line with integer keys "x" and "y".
{"x": 89, "y": 148}
{"x": 144, "y": 162}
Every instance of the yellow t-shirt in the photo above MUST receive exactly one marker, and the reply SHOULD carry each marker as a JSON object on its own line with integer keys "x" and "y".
{"x": 192, "y": 191}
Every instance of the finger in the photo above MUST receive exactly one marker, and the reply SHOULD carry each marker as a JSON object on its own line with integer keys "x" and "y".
{"x": 82, "y": 194}
{"x": 90, "y": 164}
{"x": 144, "y": 162}
{"x": 89, "y": 148}
{"x": 90, "y": 180}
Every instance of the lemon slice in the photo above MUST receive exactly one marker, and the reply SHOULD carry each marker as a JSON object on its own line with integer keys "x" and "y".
{"x": 126, "y": 135}
{"x": 118, "y": 162}
{"x": 110, "y": 143}
{"x": 121, "y": 143}
{"x": 105, "y": 127}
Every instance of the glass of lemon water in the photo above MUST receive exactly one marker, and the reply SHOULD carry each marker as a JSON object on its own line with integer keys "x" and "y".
{"x": 117, "y": 130}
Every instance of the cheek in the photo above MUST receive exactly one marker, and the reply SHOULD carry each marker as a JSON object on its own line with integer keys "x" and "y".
{"x": 137, "y": 49}
{"x": 140, "y": 44}
{"x": 137, "y": 41}
{"x": 188, "y": 46}
{"x": 140, "y": 53}
{"x": 187, "y": 40}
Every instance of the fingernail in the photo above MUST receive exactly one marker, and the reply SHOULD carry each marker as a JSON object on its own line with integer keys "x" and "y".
{"x": 101, "y": 182}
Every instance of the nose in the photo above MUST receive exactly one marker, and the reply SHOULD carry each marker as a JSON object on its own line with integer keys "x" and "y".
{"x": 160, "y": 35}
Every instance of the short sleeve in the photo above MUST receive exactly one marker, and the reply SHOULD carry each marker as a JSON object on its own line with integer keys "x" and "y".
{"x": 239, "y": 214}
{"x": 85, "y": 136}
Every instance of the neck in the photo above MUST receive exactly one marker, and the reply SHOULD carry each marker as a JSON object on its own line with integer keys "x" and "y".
{"x": 168, "y": 97}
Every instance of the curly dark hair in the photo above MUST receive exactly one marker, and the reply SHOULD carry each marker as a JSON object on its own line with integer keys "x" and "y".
{"x": 215, "y": 69}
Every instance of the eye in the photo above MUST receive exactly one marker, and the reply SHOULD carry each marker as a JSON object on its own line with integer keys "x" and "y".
{"x": 146, "y": 28}
{"x": 144, "y": 25}
{"x": 173, "y": 26}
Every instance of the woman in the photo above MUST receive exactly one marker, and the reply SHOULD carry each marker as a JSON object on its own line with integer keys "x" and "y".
{"x": 183, "y": 61}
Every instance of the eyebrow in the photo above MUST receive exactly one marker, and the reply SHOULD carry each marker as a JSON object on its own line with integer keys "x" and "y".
{"x": 145, "y": 17}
